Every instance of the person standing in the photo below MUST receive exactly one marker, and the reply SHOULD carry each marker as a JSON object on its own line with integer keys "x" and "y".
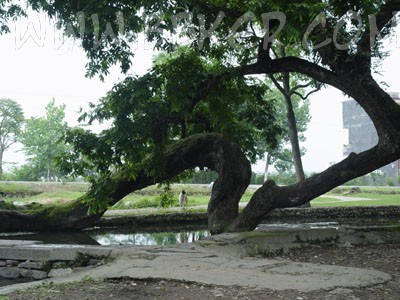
{"x": 182, "y": 199}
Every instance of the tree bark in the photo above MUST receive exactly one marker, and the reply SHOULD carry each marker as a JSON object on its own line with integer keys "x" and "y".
{"x": 293, "y": 132}
{"x": 1, "y": 163}
{"x": 267, "y": 162}
{"x": 286, "y": 91}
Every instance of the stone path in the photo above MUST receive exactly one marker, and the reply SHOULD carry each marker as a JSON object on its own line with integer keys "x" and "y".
{"x": 225, "y": 260}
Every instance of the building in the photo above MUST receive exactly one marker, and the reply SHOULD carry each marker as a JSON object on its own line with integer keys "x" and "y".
{"x": 362, "y": 133}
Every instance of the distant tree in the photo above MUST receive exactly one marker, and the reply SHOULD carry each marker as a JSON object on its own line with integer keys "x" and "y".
{"x": 293, "y": 86}
{"x": 42, "y": 140}
{"x": 11, "y": 120}
{"x": 281, "y": 157}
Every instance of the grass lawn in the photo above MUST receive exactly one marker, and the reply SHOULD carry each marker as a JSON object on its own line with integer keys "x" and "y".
{"x": 198, "y": 195}
{"x": 323, "y": 201}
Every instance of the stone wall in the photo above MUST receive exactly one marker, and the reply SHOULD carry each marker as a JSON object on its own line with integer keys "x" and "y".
{"x": 362, "y": 215}
{"x": 366, "y": 214}
{"x": 38, "y": 270}
{"x": 36, "y": 261}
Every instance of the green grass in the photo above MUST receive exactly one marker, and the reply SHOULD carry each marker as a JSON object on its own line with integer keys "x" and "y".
{"x": 376, "y": 200}
{"x": 198, "y": 195}
{"x": 11, "y": 187}
{"x": 53, "y": 197}
{"x": 317, "y": 203}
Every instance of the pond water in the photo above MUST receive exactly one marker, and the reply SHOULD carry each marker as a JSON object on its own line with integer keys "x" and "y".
{"x": 289, "y": 226}
{"x": 113, "y": 236}
{"x": 147, "y": 237}
{"x": 125, "y": 236}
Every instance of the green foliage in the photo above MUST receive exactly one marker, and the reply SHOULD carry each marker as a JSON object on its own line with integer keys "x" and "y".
{"x": 137, "y": 202}
{"x": 257, "y": 178}
{"x": 11, "y": 120}
{"x": 151, "y": 112}
{"x": 376, "y": 178}
{"x": 108, "y": 41}
{"x": 281, "y": 157}
{"x": 42, "y": 143}
{"x": 202, "y": 177}
{"x": 13, "y": 188}
{"x": 167, "y": 198}
{"x": 285, "y": 178}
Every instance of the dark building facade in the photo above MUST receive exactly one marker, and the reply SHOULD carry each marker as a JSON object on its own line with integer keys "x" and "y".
{"x": 362, "y": 133}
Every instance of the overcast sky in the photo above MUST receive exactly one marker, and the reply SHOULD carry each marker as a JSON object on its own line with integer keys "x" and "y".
{"x": 37, "y": 66}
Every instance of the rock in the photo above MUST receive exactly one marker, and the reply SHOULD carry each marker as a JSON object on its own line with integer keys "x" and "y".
{"x": 31, "y": 265}
{"x": 60, "y": 272}
{"x": 13, "y": 263}
{"x": 60, "y": 265}
{"x": 35, "y": 274}
{"x": 341, "y": 291}
{"x": 3, "y": 263}
{"x": 93, "y": 262}
{"x": 9, "y": 272}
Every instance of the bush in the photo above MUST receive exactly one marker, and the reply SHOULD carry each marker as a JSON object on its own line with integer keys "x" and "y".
{"x": 283, "y": 178}
{"x": 129, "y": 203}
{"x": 166, "y": 199}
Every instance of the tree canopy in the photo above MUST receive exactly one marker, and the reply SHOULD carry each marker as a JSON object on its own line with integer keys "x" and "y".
{"x": 202, "y": 105}
{"x": 42, "y": 142}
{"x": 11, "y": 120}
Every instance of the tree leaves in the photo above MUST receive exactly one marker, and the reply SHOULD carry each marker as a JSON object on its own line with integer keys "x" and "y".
{"x": 42, "y": 141}
{"x": 11, "y": 120}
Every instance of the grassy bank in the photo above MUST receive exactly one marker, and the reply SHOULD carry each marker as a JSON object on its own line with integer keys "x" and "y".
{"x": 21, "y": 193}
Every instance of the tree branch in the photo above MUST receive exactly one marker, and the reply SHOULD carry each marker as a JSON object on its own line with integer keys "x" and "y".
{"x": 203, "y": 150}
{"x": 300, "y": 86}
{"x": 270, "y": 196}
{"x": 362, "y": 88}
{"x": 383, "y": 19}
{"x": 276, "y": 83}
{"x": 307, "y": 95}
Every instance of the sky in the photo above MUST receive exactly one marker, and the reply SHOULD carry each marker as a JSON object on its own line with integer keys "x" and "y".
{"x": 37, "y": 65}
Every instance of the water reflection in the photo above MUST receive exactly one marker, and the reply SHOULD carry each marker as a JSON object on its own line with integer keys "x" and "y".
{"x": 289, "y": 226}
{"x": 69, "y": 238}
{"x": 116, "y": 237}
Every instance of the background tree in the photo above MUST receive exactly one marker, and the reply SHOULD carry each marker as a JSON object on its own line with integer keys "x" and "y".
{"x": 281, "y": 157}
{"x": 11, "y": 120}
{"x": 42, "y": 142}
{"x": 290, "y": 89}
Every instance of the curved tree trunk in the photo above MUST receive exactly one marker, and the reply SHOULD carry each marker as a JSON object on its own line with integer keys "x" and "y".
{"x": 385, "y": 114}
{"x": 203, "y": 150}
{"x": 270, "y": 196}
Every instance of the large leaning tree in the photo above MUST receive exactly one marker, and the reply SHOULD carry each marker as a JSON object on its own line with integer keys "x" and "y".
{"x": 167, "y": 121}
